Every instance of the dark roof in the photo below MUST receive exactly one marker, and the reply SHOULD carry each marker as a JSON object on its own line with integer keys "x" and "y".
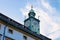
{"x": 33, "y": 18}
{"x": 21, "y": 27}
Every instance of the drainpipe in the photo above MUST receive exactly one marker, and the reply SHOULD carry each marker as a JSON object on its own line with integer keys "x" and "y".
{"x": 4, "y": 31}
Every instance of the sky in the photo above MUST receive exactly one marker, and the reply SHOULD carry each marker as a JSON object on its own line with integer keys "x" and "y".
{"x": 48, "y": 12}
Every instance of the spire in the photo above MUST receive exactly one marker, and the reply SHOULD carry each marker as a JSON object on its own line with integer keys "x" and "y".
{"x": 31, "y": 9}
{"x": 31, "y": 13}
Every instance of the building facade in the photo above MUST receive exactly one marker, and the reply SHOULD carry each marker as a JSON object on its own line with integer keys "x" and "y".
{"x": 12, "y": 30}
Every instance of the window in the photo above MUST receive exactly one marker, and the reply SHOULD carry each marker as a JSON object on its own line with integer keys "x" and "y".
{"x": 25, "y": 38}
{"x": 0, "y": 36}
{"x": 7, "y": 38}
{"x": 0, "y": 26}
{"x": 10, "y": 31}
{"x": 38, "y": 29}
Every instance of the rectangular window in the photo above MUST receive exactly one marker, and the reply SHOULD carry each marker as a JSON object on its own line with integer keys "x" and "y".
{"x": 10, "y": 31}
{"x": 25, "y": 38}
{"x": 0, "y": 26}
{"x": 0, "y": 36}
{"x": 7, "y": 38}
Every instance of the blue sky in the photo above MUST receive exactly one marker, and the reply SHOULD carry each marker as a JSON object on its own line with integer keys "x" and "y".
{"x": 48, "y": 10}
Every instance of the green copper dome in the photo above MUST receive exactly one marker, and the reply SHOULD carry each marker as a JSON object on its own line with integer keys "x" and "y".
{"x": 31, "y": 13}
{"x": 31, "y": 10}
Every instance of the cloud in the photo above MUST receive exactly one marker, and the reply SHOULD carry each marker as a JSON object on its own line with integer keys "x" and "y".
{"x": 55, "y": 35}
{"x": 25, "y": 10}
{"x": 48, "y": 6}
{"x": 46, "y": 22}
{"x": 48, "y": 27}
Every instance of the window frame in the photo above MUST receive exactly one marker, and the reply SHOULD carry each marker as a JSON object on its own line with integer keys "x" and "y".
{"x": 24, "y": 37}
{"x": 10, "y": 31}
{"x": 0, "y": 25}
{"x": 0, "y": 36}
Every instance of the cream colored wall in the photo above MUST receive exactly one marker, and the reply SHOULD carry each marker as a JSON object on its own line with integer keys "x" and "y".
{"x": 20, "y": 31}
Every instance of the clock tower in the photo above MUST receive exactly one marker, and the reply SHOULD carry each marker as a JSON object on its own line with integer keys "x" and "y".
{"x": 32, "y": 23}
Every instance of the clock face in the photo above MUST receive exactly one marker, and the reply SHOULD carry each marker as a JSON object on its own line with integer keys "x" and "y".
{"x": 34, "y": 22}
{"x": 27, "y": 23}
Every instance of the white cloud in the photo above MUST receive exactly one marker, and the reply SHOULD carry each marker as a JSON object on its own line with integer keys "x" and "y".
{"x": 25, "y": 10}
{"x": 46, "y": 21}
{"x": 48, "y": 6}
{"x": 55, "y": 35}
{"x": 47, "y": 26}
